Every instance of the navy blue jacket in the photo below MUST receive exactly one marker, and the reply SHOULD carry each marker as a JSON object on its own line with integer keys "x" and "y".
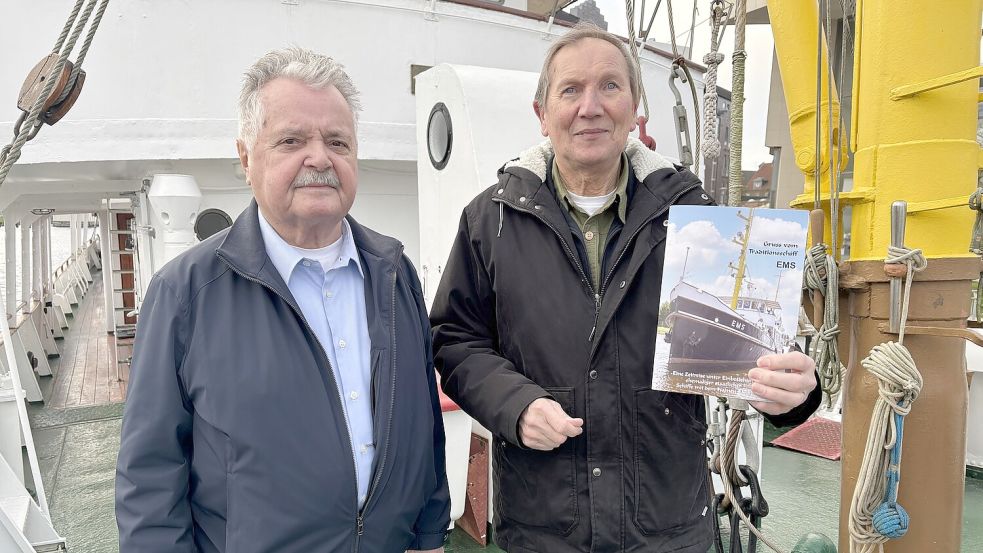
{"x": 234, "y": 437}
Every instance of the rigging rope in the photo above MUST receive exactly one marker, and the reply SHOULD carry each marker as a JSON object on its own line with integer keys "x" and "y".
{"x": 825, "y": 352}
{"x": 875, "y": 515}
{"x": 726, "y": 466}
{"x": 633, "y": 45}
{"x": 712, "y": 59}
{"x": 737, "y": 105}
{"x": 681, "y": 62}
{"x": 31, "y": 121}
{"x": 83, "y": 50}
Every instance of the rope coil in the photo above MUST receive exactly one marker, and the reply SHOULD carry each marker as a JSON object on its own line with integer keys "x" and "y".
{"x": 875, "y": 515}
{"x": 822, "y": 274}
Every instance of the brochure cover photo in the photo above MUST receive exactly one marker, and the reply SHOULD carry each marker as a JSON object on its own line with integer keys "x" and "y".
{"x": 731, "y": 290}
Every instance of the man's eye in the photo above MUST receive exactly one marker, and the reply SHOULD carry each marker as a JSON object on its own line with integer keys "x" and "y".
{"x": 611, "y": 85}
{"x": 568, "y": 90}
{"x": 290, "y": 141}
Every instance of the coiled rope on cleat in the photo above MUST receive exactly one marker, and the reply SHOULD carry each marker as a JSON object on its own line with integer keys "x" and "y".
{"x": 875, "y": 515}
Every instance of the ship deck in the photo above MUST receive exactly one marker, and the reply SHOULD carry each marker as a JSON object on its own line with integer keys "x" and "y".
{"x": 77, "y": 437}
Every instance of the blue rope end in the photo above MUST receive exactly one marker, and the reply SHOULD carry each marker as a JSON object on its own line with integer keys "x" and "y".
{"x": 891, "y": 520}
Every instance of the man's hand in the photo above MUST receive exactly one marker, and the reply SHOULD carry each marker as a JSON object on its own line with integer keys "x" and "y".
{"x": 545, "y": 426}
{"x": 438, "y": 550}
{"x": 786, "y": 379}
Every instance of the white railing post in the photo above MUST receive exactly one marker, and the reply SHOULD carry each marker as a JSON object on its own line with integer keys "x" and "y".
{"x": 46, "y": 284}
{"x": 26, "y": 258}
{"x": 37, "y": 276}
{"x": 10, "y": 249}
{"x": 107, "y": 268}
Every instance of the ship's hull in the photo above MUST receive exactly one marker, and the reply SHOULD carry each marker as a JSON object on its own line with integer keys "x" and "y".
{"x": 708, "y": 337}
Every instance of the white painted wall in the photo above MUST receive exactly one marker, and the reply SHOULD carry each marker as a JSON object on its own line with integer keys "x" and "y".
{"x": 163, "y": 77}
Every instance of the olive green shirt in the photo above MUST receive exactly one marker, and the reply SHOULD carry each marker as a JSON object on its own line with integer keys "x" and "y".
{"x": 594, "y": 229}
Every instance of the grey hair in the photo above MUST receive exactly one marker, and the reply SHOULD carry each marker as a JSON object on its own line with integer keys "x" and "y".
{"x": 314, "y": 70}
{"x": 581, "y": 31}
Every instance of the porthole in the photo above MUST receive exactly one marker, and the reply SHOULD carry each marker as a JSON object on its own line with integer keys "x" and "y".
{"x": 440, "y": 136}
{"x": 211, "y": 221}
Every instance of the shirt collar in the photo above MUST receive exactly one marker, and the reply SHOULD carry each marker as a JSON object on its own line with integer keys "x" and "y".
{"x": 620, "y": 190}
{"x": 285, "y": 257}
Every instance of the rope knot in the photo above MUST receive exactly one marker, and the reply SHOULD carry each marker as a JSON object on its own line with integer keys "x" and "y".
{"x": 829, "y": 333}
{"x": 901, "y": 254}
{"x": 739, "y": 56}
{"x": 891, "y": 520}
{"x": 712, "y": 58}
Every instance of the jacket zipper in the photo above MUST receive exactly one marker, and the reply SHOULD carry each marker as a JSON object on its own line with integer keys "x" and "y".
{"x": 392, "y": 405}
{"x": 359, "y": 522}
{"x": 607, "y": 278}
{"x": 670, "y": 203}
{"x": 566, "y": 247}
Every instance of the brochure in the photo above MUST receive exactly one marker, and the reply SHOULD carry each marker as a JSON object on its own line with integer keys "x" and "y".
{"x": 731, "y": 291}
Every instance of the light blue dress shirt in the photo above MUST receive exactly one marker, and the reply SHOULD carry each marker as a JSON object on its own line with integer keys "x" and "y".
{"x": 329, "y": 287}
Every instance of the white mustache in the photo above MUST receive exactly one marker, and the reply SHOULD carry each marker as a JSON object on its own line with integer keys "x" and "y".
{"x": 319, "y": 178}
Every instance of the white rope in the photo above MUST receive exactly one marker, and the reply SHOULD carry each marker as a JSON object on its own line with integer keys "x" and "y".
{"x": 712, "y": 59}
{"x": 824, "y": 350}
{"x": 899, "y": 383}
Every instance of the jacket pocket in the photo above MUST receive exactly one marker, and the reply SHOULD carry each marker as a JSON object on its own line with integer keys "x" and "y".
{"x": 539, "y": 488}
{"x": 670, "y": 461}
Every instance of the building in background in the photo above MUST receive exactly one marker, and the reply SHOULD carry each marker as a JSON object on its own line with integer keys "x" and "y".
{"x": 757, "y": 191}
{"x": 588, "y": 11}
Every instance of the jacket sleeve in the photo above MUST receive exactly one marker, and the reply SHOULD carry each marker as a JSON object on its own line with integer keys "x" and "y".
{"x": 153, "y": 510}
{"x": 431, "y": 525}
{"x": 473, "y": 372}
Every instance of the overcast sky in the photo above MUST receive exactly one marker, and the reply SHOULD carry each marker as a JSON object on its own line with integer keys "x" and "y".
{"x": 758, "y": 44}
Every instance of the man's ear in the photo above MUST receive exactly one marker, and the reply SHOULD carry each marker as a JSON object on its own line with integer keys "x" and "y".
{"x": 243, "y": 158}
{"x": 541, "y": 114}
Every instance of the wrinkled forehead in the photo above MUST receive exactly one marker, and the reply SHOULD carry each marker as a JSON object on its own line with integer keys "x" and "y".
{"x": 586, "y": 58}
{"x": 296, "y": 104}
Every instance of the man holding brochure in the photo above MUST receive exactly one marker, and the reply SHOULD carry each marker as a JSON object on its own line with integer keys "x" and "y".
{"x": 545, "y": 324}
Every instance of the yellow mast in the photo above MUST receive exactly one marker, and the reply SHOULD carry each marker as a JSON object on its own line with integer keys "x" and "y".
{"x": 915, "y": 94}
{"x": 741, "y": 240}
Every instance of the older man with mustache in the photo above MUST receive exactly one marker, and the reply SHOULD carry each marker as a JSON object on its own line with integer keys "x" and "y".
{"x": 263, "y": 411}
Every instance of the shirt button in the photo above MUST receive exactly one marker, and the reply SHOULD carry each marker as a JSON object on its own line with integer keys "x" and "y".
{"x": 342, "y": 344}
{"x": 593, "y": 375}
{"x": 354, "y": 396}
{"x": 364, "y": 450}
{"x": 596, "y": 472}
{"x": 329, "y": 294}
{"x": 667, "y": 411}
{"x": 589, "y": 235}
{"x": 307, "y": 263}
{"x": 622, "y": 285}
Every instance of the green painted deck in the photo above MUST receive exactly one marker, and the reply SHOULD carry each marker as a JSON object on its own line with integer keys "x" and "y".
{"x": 77, "y": 448}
